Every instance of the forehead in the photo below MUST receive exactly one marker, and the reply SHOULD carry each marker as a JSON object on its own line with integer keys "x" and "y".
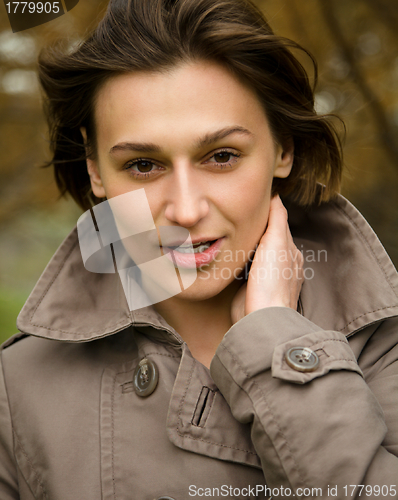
{"x": 187, "y": 100}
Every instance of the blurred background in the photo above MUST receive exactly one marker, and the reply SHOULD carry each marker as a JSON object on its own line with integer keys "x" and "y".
{"x": 356, "y": 45}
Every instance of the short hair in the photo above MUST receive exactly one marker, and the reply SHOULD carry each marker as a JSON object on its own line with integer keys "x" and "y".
{"x": 154, "y": 36}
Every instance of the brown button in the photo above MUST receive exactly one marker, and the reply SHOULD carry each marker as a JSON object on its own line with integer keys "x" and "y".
{"x": 302, "y": 359}
{"x": 164, "y": 498}
{"x": 145, "y": 378}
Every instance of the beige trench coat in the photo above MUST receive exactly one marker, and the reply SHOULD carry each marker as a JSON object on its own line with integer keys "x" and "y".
{"x": 73, "y": 428}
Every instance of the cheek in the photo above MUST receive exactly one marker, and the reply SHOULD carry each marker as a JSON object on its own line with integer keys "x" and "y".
{"x": 116, "y": 182}
{"x": 249, "y": 202}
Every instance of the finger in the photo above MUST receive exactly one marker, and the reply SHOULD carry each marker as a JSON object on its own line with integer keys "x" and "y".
{"x": 281, "y": 217}
{"x": 277, "y": 218}
{"x": 289, "y": 236}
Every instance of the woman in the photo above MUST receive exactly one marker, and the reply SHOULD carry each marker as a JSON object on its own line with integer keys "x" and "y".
{"x": 276, "y": 382}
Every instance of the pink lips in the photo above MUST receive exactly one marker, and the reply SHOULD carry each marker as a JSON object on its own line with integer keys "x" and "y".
{"x": 186, "y": 260}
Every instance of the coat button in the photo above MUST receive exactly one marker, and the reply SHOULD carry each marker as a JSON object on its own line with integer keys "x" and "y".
{"x": 302, "y": 359}
{"x": 145, "y": 378}
{"x": 164, "y": 498}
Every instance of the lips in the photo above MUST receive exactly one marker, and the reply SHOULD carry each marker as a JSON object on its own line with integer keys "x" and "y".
{"x": 182, "y": 241}
{"x": 204, "y": 252}
{"x": 195, "y": 248}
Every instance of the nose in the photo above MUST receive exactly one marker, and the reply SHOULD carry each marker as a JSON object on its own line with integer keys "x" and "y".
{"x": 187, "y": 202}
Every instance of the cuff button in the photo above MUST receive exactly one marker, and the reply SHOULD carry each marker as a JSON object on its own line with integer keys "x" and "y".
{"x": 302, "y": 359}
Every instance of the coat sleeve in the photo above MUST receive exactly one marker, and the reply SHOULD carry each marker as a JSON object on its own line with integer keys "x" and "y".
{"x": 318, "y": 432}
{"x": 8, "y": 472}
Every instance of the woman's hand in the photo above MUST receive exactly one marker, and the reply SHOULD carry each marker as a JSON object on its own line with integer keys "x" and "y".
{"x": 276, "y": 274}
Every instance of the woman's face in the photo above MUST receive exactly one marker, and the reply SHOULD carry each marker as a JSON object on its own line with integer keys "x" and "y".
{"x": 198, "y": 141}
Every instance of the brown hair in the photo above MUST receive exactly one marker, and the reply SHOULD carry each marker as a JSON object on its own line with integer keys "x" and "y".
{"x": 154, "y": 35}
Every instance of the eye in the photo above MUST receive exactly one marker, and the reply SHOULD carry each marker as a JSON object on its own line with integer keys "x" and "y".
{"x": 142, "y": 168}
{"x": 224, "y": 158}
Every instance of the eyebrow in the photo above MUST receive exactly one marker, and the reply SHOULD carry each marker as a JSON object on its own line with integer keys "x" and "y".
{"x": 221, "y": 134}
{"x": 210, "y": 138}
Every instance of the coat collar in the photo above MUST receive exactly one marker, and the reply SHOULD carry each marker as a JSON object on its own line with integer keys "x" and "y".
{"x": 350, "y": 283}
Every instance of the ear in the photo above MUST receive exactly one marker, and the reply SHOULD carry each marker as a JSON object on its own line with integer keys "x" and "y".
{"x": 93, "y": 171}
{"x": 284, "y": 159}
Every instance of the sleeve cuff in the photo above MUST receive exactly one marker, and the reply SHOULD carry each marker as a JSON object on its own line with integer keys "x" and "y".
{"x": 261, "y": 340}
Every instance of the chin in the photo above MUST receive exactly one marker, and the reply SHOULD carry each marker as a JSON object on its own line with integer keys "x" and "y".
{"x": 205, "y": 289}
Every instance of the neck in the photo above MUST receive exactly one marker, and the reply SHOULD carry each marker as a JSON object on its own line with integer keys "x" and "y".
{"x": 201, "y": 324}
